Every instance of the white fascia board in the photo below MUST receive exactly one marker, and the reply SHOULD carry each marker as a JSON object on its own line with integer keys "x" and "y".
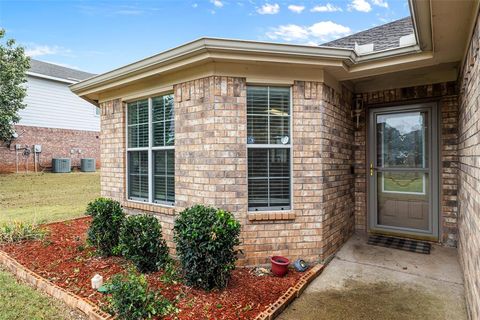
{"x": 236, "y": 47}
{"x": 211, "y": 45}
{"x": 39, "y": 75}
{"x": 388, "y": 53}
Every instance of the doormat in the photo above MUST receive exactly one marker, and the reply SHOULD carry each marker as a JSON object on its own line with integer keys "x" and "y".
{"x": 401, "y": 244}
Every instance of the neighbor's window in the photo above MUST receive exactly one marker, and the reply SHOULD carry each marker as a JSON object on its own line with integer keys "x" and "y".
{"x": 268, "y": 141}
{"x": 151, "y": 153}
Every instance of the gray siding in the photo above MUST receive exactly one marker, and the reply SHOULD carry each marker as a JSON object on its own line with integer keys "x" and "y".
{"x": 51, "y": 104}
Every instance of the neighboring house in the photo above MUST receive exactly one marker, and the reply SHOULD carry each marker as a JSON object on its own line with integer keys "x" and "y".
{"x": 376, "y": 132}
{"x": 62, "y": 124}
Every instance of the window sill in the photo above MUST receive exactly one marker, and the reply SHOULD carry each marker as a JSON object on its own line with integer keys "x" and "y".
{"x": 149, "y": 207}
{"x": 271, "y": 215}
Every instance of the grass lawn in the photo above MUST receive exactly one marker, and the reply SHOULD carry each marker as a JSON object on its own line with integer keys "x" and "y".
{"x": 46, "y": 197}
{"x": 19, "y": 301}
{"x": 40, "y": 198}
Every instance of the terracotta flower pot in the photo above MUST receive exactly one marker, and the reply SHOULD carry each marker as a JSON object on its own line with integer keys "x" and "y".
{"x": 279, "y": 265}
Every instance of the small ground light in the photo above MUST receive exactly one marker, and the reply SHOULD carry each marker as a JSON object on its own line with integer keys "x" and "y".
{"x": 97, "y": 281}
{"x": 300, "y": 265}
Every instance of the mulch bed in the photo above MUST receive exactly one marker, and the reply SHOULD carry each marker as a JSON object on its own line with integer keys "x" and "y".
{"x": 63, "y": 258}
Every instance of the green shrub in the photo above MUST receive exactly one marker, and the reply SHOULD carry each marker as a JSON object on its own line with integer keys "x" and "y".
{"x": 20, "y": 231}
{"x": 141, "y": 242}
{"x": 170, "y": 273}
{"x": 205, "y": 239}
{"x": 131, "y": 299}
{"x": 103, "y": 233}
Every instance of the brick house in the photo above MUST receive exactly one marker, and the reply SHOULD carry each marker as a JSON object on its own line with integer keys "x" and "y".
{"x": 376, "y": 132}
{"x": 56, "y": 119}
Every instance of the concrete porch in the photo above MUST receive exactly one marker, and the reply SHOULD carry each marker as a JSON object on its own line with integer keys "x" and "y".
{"x": 371, "y": 282}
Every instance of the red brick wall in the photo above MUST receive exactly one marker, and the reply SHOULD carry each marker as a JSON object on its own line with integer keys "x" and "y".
{"x": 469, "y": 174}
{"x": 211, "y": 166}
{"x": 55, "y": 143}
{"x": 323, "y": 160}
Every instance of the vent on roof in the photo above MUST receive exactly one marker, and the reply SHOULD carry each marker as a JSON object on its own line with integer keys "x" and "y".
{"x": 364, "y": 48}
{"x": 407, "y": 40}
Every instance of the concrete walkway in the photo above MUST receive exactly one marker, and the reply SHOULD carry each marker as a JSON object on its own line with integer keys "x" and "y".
{"x": 370, "y": 282}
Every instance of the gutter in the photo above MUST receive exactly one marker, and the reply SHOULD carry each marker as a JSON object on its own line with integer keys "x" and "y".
{"x": 422, "y": 23}
{"x": 347, "y": 58}
{"x": 210, "y": 45}
{"x": 39, "y": 75}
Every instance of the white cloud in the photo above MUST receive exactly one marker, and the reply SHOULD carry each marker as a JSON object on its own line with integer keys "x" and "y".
{"x": 317, "y": 33}
{"x": 268, "y": 8}
{"x": 217, "y": 3}
{"x": 326, "y": 8}
{"x": 327, "y": 30}
{"x": 34, "y": 50}
{"x": 289, "y": 32}
{"x": 195, "y": 5}
{"x": 380, "y": 3}
{"x": 296, "y": 8}
{"x": 360, "y": 5}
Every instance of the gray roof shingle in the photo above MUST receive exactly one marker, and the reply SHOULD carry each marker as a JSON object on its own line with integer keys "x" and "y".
{"x": 54, "y": 70}
{"x": 383, "y": 37}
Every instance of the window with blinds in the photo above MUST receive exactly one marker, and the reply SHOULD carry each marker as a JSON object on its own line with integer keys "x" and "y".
{"x": 150, "y": 148}
{"x": 268, "y": 142}
{"x": 138, "y": 175}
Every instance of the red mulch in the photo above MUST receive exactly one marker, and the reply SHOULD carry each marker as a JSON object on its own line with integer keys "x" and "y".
{"x": 63, "y": 258}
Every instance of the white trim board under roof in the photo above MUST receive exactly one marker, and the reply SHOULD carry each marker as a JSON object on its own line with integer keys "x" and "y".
{"x": 339, "y": 63}
{"x": 39, "y": 75}
{"x": 206, "y": 50}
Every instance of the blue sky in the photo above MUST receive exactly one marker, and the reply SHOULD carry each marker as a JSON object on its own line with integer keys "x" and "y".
{"x": 97, "y": 36}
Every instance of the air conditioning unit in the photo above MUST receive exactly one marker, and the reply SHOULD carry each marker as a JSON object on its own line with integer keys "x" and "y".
{"x": 61, "y": 165}
{"x": 87, "y": 165}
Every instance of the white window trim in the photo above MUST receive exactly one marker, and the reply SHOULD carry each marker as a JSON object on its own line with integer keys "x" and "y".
{"x": 274, "y": 146}
{"x": 149, "y": 149}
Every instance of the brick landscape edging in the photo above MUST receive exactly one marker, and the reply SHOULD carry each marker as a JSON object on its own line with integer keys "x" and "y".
{"x": 72, "y": 300}
{"x": 291, "y": 294}
{"x": 94, "y": 313}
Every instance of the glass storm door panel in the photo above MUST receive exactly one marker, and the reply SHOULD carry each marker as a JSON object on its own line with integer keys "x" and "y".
{"x": 401, "y": 167}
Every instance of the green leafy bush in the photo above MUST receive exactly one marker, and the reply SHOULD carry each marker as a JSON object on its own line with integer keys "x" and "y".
{"x": 19, "y": 231}
{"x": 141, "y": 242}
{"x": 103, "y": 233}
{"x": 170, "y": 273}
{"x": 131, "y": 299}
{"x": 205, "y": 239}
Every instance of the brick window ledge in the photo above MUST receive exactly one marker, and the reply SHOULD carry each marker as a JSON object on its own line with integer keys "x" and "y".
{"x": 148, "y": 207}
{"x": 271, "y": 215}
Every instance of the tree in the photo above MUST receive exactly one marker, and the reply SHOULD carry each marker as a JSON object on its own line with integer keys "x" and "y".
{"x": 13, "y": 67}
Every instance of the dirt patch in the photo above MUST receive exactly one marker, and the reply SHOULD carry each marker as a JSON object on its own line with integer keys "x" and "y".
{"x": 64, "y": 259}
{"x": 367, "y": 301}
